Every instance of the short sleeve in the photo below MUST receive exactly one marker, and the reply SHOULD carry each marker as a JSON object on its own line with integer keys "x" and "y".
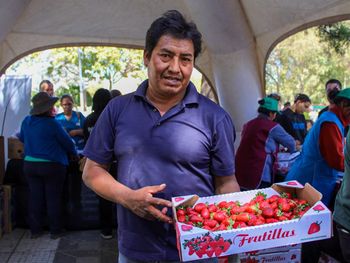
{"x": 223, "y": 150}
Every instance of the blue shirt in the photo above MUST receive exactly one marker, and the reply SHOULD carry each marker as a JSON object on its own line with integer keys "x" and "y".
{"x": 76, "y": 122}
{"x": 44, "y": 138}
{"x": 311, "y": 167}
{"x": 184, "y": 148}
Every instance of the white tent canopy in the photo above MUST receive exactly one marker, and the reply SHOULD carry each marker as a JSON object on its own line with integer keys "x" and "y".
{"x": 237, "y": 34}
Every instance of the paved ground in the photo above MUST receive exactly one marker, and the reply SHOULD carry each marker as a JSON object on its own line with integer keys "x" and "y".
{"x": 75, "y": 247}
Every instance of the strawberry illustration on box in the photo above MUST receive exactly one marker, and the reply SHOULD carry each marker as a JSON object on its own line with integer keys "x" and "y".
{"x": 284, "y": 214}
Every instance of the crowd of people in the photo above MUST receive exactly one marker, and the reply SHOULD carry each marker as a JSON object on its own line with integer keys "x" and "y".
{"x": 141, "y": 147}
{"x": 53, "y": 144}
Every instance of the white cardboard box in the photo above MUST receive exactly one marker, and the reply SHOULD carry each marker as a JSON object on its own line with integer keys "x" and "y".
{"x": 256, "y": 237}
{"x": 290, "y": 256}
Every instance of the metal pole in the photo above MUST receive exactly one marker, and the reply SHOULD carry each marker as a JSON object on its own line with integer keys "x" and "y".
{"x": 81, "y": 82}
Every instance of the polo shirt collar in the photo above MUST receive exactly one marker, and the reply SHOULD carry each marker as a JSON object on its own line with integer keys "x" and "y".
{"x": 191, "y": 95}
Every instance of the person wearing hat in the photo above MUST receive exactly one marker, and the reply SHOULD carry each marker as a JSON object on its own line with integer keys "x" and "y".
{"x": 259, "y": 145}
{"x": 47, "y": 147}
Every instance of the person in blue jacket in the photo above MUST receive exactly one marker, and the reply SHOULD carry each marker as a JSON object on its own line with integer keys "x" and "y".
{"x": 47, "y": 148}
{"x": 322, "y": 156}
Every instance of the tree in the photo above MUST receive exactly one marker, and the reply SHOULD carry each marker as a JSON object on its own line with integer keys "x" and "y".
{"x": 302, "y": 64}
{"x": 336, "y": 36}
{"x": 98, "y": 63}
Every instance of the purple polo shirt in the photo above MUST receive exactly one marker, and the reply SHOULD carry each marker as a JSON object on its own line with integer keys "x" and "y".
{"x": 184, "y": 149}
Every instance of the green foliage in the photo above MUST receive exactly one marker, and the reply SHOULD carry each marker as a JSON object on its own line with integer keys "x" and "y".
{"x": 302, "y": 64}
{"x": 97, "y": 63}
{"x": 336, "y": 36}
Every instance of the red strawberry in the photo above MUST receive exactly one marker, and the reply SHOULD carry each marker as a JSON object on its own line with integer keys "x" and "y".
{"x": 210, "y": 223}
{"x": 196, "y": 219}
{"x": 212, "y": 208}
{"x": 199, "y": 207}
{"x": 205, "y": 213}
{"x": 180, "y": 212}
{"x": 268, "y": 212}
{"x": 181, "y": 218}
{"x": 220, "y": 216}
{"x": 314, "y": 228}
{"x": 243, "y": 217}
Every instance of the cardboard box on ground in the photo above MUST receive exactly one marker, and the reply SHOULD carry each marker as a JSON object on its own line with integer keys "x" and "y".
{"x": 260, "y": 237}
{"x": 15, "y": 149}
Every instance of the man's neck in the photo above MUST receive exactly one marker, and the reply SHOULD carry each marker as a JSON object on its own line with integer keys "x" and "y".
{"x": 163, "y": 104}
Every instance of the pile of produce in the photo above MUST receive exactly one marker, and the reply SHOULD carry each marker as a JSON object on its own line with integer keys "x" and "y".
{"x": 230, "y": 215}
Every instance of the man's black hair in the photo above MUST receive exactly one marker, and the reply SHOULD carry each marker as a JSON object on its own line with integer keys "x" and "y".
{"x": 265, "y": 111}
{"x": 174, "y": 24}
{"x": 334, "y": 81}
{"x": 302, "y": 97}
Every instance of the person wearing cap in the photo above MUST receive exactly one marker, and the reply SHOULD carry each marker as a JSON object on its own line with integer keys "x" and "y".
{"x": 259, "y": 144}
{"x": 293, "y": 120}
{"x": 47, "y": 147}
{"x": 333, "y": 86}
{"x": 322, "y": 155}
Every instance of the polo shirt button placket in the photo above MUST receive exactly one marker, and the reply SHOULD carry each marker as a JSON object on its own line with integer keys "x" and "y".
{"x": 154, "y": 109}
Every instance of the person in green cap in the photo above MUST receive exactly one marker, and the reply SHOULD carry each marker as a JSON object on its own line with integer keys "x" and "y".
{"x": 259, "y": 145}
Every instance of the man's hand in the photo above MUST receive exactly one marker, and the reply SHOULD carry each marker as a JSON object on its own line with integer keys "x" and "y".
{"x": 142, "y": 203}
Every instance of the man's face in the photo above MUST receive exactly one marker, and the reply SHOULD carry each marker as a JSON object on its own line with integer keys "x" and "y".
{"x": 48, "y": 88}
{"x": 170, "y": 66}
{"x": 301, "y": 107}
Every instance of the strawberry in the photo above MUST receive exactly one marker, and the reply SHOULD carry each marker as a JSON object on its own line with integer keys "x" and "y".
{"x": 226, "y": 246}
{"x": 210, "y": 222}
{"x": 218, "y": 251}
{"x": 314, "y": 228}
{"x": 239, "y": 225}
{"x": 260, "y": 196}
{"x": 271, "y": 220}
{"x": 243, "y": 217}
{"x": 199, "y": 207}
{"x": 210, "y": 252}
{"x": 212, "y": 208}
{"x": 223, "y": 204}
{"x": 220, "y": 216}
{"x": 181, "y": 218}
{"x": 196, "y": 219}
{"x": 273, "y": 198}
{"x": 268, "y": 212}
{"x": 205, "y": 213}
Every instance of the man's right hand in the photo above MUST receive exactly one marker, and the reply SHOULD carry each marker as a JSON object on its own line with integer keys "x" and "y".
{"x": 142, "y": 203}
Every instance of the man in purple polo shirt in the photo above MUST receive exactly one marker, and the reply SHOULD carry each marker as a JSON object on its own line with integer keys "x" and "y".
{"x": 168, "y": 140}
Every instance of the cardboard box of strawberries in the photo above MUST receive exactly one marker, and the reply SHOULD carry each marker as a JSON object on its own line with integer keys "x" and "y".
{"x": 286, "y": 213}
